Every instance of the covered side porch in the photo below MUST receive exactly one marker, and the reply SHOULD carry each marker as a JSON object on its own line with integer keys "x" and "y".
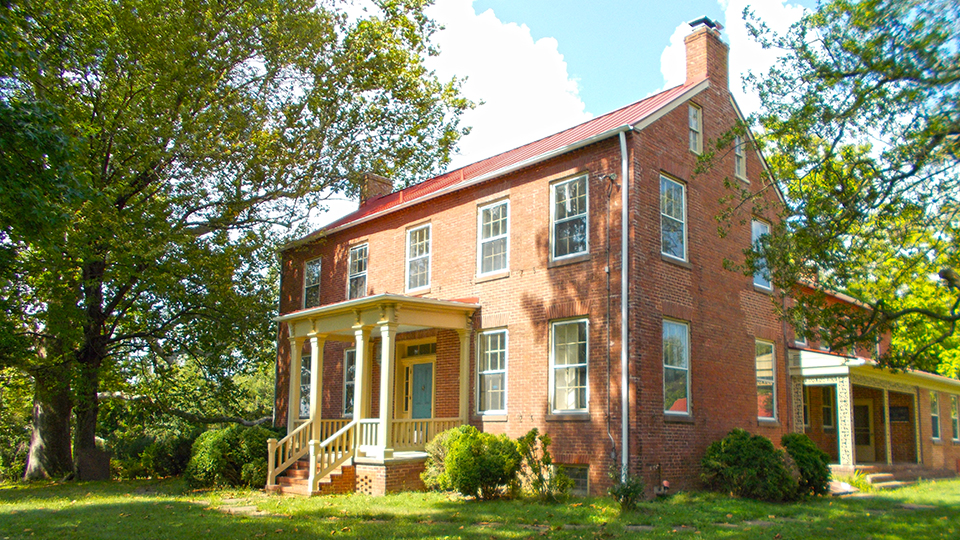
{"x": 394, "y": 354}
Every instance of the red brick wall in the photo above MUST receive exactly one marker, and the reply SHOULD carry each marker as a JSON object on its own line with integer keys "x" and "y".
{"x": 825, "y": 438}
{"x": 393, "y": 477}
{"x": 902, "y": 435}
{"x": 945, "y": 452}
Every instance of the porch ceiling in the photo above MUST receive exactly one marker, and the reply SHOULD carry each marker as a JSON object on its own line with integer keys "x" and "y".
{"x": 807, "y": 363}
{"x": 339, "y": 321}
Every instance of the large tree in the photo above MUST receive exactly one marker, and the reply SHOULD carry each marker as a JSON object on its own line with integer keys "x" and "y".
{"x": 152, "y": 149}
{"x": 861, "y": 121}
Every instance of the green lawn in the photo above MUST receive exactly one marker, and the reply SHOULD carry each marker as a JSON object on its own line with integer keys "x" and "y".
{"x": 165, "y": 509}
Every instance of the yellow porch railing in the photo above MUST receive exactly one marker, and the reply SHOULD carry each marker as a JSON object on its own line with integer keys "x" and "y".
{"x": 414, "y": 434}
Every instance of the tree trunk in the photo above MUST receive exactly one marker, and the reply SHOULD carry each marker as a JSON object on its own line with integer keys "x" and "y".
{"x": 50, "y": 442}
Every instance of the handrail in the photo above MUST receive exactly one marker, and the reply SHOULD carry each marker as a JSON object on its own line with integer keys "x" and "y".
{"x": 410, "y": 434}
{"x": 282, "y": 454}
{"x": 331, "y": 453}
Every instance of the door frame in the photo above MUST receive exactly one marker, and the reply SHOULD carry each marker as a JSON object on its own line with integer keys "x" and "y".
{"x": 869, "y": 456}
{"x": 400, "y": 386}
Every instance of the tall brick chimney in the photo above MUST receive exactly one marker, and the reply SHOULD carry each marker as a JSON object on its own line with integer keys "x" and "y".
{"x": 706, "y": 54}
{"x": 374, "y": 186}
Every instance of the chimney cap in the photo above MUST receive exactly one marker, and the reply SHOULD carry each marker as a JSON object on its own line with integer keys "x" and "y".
{"x": 706, "y": 21}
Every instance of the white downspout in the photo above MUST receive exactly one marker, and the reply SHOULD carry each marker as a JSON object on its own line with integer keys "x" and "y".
{"x": 624, "y": 297}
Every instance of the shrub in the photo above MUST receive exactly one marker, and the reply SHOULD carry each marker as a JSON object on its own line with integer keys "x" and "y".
{"x": 748, "y": 466}
{"x": 434, "y": 475}
{"x": 812, "y": 462}
{"x": 233, "y": 456}
{"x": 539, "y": 476}
{"x": 627, "y": 489}
{"x": 480, "y": 464}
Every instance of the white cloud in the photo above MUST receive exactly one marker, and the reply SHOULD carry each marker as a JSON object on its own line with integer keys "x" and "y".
{"x": 745, "y": 54}
{"x": 523, "y": 84}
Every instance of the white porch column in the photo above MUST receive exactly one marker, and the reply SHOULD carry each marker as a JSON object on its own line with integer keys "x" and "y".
{"x": 388, "y": 334}
{"x": 361, "y": 401}
{"x": 464, "y": 374}
{"x": 845, "y": 422}
{"x": 886, "y": 426}
{"x": 316, "y": 382}
{"x": 916, "y": 426}
{"x": 293, "y": 397}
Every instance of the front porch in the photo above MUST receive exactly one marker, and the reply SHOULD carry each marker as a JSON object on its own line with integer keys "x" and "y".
{"x": 402, "y": 370}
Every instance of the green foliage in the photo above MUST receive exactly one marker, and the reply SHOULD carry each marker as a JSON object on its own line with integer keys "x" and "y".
{"x": 812, "y": 462}
{"x": 627, "y": 489}
{"x": 749, "y": 466}
{"x": 434, "y": 474}
{"x": 538, "y": 475}
{"x": 232, "y": 456}
{"x": 480, "y": 464}
{"x": 15, "y": 419}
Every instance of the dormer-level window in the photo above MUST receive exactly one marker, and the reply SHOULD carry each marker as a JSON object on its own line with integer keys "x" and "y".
{"x": 740, "y": 158}
{"x": 569, "y": 229}
{"x": 696, "y": 128}
{"x": 357, "y": 280}
{"x": 311, "y": 283}
{"x": 418, "y": 258}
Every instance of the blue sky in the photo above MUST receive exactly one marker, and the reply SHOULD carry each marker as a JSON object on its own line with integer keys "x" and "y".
{"x": 541, "y": 66}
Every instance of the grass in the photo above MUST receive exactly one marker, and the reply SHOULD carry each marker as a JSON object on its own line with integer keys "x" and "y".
{"x": 167, "y": 510}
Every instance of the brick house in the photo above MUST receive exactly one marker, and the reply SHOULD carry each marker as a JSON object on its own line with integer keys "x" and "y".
{"x": 574, "y": 284}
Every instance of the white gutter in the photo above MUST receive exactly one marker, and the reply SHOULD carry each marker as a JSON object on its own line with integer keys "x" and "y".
{"x": 455, "y": 187}
{"x": 624, "y": 297}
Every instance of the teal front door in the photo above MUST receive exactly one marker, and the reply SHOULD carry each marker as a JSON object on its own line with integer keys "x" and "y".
{"x": 422, "y": 391}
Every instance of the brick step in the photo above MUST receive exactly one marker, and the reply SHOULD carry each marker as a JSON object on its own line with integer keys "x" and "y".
{"x": 294, "y": 481}
{"x": 879, "y": 478}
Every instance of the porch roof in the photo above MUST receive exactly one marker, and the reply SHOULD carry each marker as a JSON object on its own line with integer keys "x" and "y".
{"x": 338, "y": 322}
{"x": 811, "y": 363}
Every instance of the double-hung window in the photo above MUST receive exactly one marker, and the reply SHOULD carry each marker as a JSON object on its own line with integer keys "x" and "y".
{"x": 492, "y": 372}
{"x": 955, "y": 417}
{"x": 766, "y": 381}
{"x": 827, "y": 406}
{"x": 935, "y": 415}
{"x": 740, "y": 158}
{"x": 305, "y": 386}
{"x": 569, "y": 228}
{"x": 761, "y": 278}
{"x": 349, "y": 380}
{"x": 493, "y": 225}
{"x": 568, "y": 362}
{"x": 695, "y": 114}
{"x": 418, "y": 258}
{"x": 311, "y": 283}
{"x": 676, "y": 368}
{"x": 673, "y": 219}
{"x": 357, "y": 279}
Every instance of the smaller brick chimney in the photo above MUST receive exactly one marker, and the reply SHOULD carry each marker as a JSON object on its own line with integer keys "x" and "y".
{"x": 374, "y": 186}
{"x": 706, "y": 54}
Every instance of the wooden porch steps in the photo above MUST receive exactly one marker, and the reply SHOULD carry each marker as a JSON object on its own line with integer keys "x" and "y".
{"x": 294, "y": 480}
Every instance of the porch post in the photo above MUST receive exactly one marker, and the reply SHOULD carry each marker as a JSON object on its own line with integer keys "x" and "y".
{"x": 464, "y": 374}
{"x": 388, "y": 334}
{"x": 316, "y": 382}
{"x": 916, "y": 425}
{"x": 886, "y": 426}
{"x": 361, "y": 403}
{"x": 293, "y": 397}
{"x": 798, "y": 403}
{"x": 845, "y": 421}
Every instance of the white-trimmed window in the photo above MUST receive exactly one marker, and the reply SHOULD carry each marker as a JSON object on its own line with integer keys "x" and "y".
{"x": 799, "y": 339}
{"x": 676, "y": 367}
{"x": 493, "y": 227}
{"x": 766, "y": 381}
{"x": 569, "y": 226}
{"x": 761, "y": 278}
{"x": 568, "y": 365}
{"x": 828, "y": 406}
{"x": 673, "y": 219}
{"x": 696, "y": 128}
{"x": 357, "y": 279}
{"x": 935, "y": 415}
{"x": 305, "y": 385}
{"x": 955, "y": 417}
{"x": 311, "y": 283}
{"x": 418, "y": 258}
{"x": 739, "y": 158}
{"x": 492, "y": 372}
{"x": 349, "y": 381}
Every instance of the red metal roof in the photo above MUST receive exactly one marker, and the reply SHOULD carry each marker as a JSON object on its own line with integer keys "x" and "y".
{"x": 631, "y": 114}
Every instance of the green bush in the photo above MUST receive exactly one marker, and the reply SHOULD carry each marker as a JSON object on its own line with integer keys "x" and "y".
{"x": 434, "y": 475}
{"x": 812, "y": 462}
{"x": 627, "y": 489}
{"x": 233, "y": 456}
{"x": 748, "y": 466}
{"x": 539, "y": 477}
{"x": 480, "y": 464}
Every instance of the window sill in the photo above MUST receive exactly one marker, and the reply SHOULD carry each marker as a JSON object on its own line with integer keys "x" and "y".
{"x": 768, "y": 422}
{"x": 742, "y": 178}
{"x": 763, "y": 290}
{"x": 418, "y": 292}
{"x": 491, "y": 417}
{"x": 492, "y": 277}
{"x": 568, "y": 417}
{"x": 676, "y": 261}
{"x": 936, "y": 442}
{"x": 569, "y": 260}
{"x": 678, "y": 418}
